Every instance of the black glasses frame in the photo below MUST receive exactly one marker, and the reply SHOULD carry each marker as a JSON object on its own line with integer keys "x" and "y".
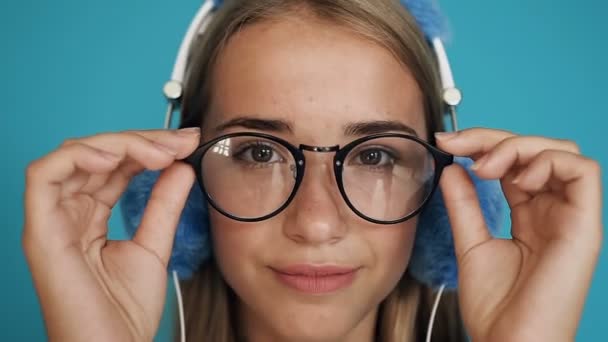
{"x": 441, "y": 158}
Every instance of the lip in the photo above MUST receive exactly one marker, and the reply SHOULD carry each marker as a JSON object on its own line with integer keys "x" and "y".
{"x": 316, "y": 279}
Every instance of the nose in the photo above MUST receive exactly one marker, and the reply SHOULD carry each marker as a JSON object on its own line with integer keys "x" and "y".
{"x": 315, "y": 216}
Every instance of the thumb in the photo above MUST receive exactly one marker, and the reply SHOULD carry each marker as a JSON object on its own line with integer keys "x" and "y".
{"x": 460, "y": 197}
{"x": 163, "y": 210}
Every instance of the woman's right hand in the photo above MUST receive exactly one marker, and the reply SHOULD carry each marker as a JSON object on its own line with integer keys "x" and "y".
{"x": 92, "y": 289}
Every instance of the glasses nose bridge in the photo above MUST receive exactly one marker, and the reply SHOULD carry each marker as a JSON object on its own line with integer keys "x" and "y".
{"x": 323, "y": 173}
{"x": 322, "y": 149}
{"x": 319, "y": 149}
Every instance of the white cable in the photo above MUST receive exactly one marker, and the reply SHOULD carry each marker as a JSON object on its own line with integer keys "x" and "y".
{"x": 179, "y": 68}
{"x": 432, "y": 319}
{"x": 180, "y": 305}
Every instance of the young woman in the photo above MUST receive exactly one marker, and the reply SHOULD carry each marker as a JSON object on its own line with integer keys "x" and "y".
{"x": 274, "y": 83}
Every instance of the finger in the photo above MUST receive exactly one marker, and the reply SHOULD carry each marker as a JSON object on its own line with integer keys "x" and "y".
{"x": 183, "y": 141}
{"x": 130, "y": 146}
{"x": 78, "y": 180}
{"x": 137, "y": 153}
{"x": 45, "y": 176}
{"x": 106, "y": 188}
{"x": 506, "y": 155}
{"x": 510, "y": 156}
{"x": 163, "y": 210}
{"x": 471, "y": 142}
{"x": 517, "y": 151}
{"x": 115, "y": 184}
{"x": 179, "y": 143}
{"x": 187, "y": 140}
{"x": 512, "y": 193}
{"x": 460, "y": 197}
{"x": 578, "y": 176}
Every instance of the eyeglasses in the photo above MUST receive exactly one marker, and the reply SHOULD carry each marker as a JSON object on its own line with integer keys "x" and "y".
{"x": 384, "y": 178}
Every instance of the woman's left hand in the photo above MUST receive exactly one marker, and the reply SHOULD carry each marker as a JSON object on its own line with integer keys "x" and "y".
{"x": 531, "y": 287}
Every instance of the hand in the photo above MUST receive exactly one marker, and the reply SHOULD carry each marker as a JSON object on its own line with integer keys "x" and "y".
{"x": 92, "y": 289}
{"x": 531, "y": 287}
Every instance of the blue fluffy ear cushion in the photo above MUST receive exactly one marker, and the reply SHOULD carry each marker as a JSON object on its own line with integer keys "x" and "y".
{"x": 432, "y": 262}
{"x": 426, "y": 12}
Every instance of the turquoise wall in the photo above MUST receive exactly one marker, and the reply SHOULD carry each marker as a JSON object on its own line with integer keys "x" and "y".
{"x": 72, "y": 68}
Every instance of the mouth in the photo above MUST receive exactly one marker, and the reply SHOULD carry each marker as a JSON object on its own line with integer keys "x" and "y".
{"x": 315, "y": 279}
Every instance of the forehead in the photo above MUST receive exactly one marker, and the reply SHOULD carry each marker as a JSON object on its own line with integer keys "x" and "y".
{"x": 317, "y": 75}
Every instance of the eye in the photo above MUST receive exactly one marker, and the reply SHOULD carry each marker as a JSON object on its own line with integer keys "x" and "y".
{"x": 375, "y": 157}
{"x": 258, "y": 153}
{"x": 261, "y": 153}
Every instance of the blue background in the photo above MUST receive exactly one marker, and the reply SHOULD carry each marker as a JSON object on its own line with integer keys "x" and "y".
{"x": 71, "y": 68}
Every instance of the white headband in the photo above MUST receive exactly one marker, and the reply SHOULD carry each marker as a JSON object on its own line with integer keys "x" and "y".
{"x": 173, "y": 89}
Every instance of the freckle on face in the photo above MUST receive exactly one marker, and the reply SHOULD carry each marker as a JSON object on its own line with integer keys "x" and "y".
{"x": 320, "y": 80}
{"x": 319, "y": 77}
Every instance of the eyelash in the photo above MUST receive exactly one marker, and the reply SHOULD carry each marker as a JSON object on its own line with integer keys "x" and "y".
{"x": 383, "y": 150}
{"x": 243, "y": 148}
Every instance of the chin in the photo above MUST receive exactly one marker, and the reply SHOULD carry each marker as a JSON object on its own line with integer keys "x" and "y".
{"x": 313, "y": 323}
{"x": 312, "y": 333}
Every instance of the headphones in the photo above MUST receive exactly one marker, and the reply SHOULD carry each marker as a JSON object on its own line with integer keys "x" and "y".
{"x": 433, "y": 260}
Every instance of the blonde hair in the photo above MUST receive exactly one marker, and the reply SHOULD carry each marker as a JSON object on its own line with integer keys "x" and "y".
{"x": 209, "y": 302}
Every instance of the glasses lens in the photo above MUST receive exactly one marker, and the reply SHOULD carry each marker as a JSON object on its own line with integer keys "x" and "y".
{"x": 388, "y": 178}
{"x": 248, "y": 176}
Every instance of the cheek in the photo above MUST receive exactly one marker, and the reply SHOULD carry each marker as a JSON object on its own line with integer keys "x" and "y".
{"x": 399, "y": 242}
{"x": 234, "y": 247}
{"x": 240, "y": 250}
{"x": 391, "y": 247}
{"x": 237, "y": 246}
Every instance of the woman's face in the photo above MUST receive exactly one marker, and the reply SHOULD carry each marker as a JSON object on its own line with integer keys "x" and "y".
{"x": 317, "y": 79}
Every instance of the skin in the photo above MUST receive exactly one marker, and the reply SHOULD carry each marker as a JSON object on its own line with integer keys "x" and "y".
{"x": 530, "y": 288}
{"x": 319, "y": 83}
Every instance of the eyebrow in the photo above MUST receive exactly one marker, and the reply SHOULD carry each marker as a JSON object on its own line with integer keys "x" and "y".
{"x": 351, "y": 129}
{"x": 277, "y": 126}
{"x": 377, "y": 126}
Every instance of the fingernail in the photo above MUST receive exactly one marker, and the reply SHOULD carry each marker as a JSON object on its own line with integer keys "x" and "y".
{"x": 165, "y": 148}
{"x": 445, "y": 135}
{"x": 479, "y": 163}
{"x": 189, "y": 131}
